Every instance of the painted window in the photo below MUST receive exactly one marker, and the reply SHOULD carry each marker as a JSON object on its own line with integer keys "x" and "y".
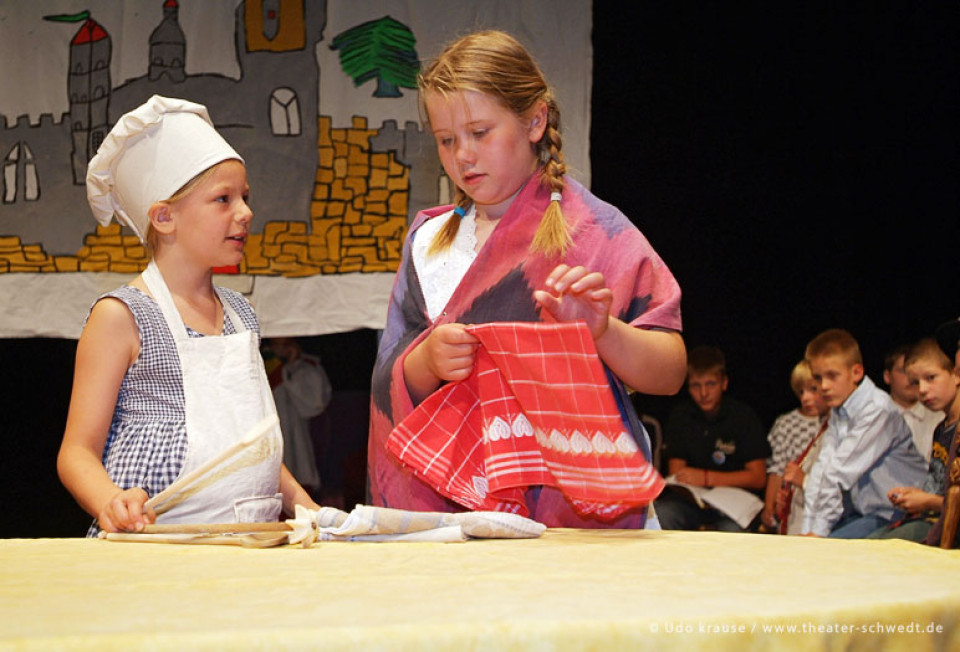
{"x": 12, "y": 171}
{"x": 284, "y": 112}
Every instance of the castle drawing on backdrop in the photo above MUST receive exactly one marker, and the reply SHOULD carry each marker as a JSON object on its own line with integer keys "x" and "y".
{"x": 328, "y": 199}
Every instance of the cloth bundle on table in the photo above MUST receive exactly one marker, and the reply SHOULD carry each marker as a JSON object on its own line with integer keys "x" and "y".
{"x": 379, "y": 524}
{"x": 537, "y": 410}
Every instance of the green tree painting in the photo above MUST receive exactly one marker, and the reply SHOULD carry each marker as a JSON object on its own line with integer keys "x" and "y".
{"x": 381, "y": 49}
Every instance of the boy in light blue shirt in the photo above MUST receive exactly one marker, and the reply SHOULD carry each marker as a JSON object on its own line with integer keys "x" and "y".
{"x": 867, "y": 448}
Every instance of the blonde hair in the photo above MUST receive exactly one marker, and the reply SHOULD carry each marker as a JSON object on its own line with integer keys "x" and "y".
{"x": 800, "y": 377}
{"x": 185, "y": 189}
{"x": 835, "y": 341}
{"x": 928, "y": 349}
{"x": 497, "y": 65}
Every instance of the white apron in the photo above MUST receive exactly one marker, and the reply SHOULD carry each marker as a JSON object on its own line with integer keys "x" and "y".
{"x": 226, "y": 393}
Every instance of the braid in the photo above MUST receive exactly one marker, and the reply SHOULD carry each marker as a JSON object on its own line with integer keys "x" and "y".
{"x": 448, "y": 233}
{"x": 553, "y": 236}
{"x": 549, "y": 149}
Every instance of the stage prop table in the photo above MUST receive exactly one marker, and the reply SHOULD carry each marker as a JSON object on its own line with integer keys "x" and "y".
{"x": 569, "y": 589}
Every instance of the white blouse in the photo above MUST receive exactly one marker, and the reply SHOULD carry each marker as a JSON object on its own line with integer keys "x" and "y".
{"x": 441, "y": 273}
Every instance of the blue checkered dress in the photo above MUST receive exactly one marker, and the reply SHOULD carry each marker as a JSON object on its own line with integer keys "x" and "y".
{"x": 147, "y": 442}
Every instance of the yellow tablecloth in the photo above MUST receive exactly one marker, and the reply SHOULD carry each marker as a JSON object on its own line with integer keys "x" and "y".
{"x": 570, "y": 589}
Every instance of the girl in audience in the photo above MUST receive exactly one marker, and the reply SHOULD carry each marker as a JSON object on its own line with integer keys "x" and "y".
{"x": 789, "y": 437}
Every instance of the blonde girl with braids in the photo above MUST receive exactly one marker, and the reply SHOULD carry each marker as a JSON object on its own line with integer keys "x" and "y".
{"x": 522, "y": 242}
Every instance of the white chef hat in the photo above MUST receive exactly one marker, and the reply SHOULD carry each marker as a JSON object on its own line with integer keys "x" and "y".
{"x": 150, "y": 153}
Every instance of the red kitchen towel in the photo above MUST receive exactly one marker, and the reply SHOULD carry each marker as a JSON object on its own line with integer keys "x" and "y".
{"x": 537, "y": 410}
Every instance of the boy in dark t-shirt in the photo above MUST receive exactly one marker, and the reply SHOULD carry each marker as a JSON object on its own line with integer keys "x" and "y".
{"x": 713, "y": 440}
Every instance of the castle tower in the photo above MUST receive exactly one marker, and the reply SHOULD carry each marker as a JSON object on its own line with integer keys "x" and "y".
{"x": 168, "y": 46}
{"x": 278, "y": 25}
{"x": 88, "y": 86}
{"x": 276, "y": 48}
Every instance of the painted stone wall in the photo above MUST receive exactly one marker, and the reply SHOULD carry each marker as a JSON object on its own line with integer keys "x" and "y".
{"x": 358, "y": 219}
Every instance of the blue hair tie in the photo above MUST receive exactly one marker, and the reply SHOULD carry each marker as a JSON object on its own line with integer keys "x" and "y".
{"x": 460, "y": 210}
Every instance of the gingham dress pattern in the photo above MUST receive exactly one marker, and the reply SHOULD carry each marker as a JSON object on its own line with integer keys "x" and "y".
{"x": 537, "y": 410}
{"x": 790, "y": 434}
{"x": 147, "y": 442}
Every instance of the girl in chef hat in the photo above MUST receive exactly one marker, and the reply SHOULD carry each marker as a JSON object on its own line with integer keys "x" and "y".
{"x": 168, "y": 370}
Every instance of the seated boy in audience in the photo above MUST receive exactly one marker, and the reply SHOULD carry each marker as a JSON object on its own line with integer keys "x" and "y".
{"x": 789, "y": 437}
{"x": 867, "y": 448}
{"x": 919, "y": 418}
{"x": 711, "y": 440}
{"x": 933, "y": 374}
{"x": 948, "y": 336}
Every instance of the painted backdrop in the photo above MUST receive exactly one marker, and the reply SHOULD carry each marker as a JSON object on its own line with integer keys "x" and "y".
{"x": 318, "y": 96}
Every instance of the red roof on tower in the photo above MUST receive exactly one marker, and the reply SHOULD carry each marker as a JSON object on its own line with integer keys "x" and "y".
{"x": 91, "y": 32}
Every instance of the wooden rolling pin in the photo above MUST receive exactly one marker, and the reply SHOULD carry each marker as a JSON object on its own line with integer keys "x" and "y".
{"x": 250, "y": 540}
{"x": 158, "y": 502}
{"x": 214, "y": 528}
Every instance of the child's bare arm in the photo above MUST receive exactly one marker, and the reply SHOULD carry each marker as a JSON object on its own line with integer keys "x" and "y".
{"x": 631, "y": 353}
{"x": 915, "y": 501}
{"x": 446, "y": 354}
{"x": 752, "y": 476}
{"x": 293, "y": 493}
{"x": 774, "y": 482}
{"x": 793, "y": 474}
{"x": 576, "y": 293}
{"x": 108, "y": 346}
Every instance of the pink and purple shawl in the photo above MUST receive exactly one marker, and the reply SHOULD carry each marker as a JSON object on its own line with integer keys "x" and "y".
{"x": 499, "y": 287}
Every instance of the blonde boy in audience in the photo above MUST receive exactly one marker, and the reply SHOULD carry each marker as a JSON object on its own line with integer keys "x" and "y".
{"x": 789, "y": 437}
{"x": 948, "y": 337}
{"x": 933, "y": 374}
{"x": 867, "y": 449}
